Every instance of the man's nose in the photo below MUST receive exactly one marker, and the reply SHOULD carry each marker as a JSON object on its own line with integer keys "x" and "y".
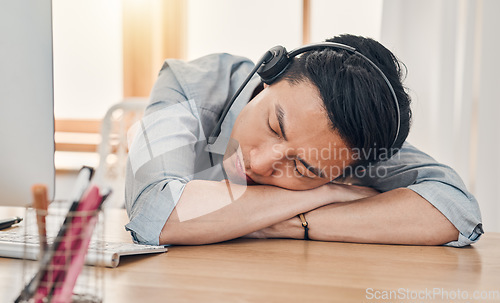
{"x": 264, "y": 160}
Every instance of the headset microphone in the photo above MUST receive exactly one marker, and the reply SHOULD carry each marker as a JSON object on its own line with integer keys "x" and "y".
{"x": 275, "y": 61}
{"x": 215, "y": 133}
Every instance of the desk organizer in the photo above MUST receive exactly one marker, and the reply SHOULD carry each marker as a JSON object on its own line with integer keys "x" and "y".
{"x": 60, "y": 273}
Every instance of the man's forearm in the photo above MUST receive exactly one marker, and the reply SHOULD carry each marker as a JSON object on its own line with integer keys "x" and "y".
{"x": 396, "y": 217}
{"x": 233, "y": 213}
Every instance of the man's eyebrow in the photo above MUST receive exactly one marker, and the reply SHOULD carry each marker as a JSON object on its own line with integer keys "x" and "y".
{"x": 280, "y": 115}
{"x": 312, "y": 169}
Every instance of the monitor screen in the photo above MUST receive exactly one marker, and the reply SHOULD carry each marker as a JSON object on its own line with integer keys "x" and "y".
{"x": 26, "y": 99}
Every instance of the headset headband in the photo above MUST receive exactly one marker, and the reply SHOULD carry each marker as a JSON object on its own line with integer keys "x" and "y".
{"x": 275, "y": 61}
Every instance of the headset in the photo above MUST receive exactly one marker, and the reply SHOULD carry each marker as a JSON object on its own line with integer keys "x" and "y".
{"x": 276, "y": 60}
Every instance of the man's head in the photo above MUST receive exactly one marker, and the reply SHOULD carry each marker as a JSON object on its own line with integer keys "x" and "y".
{"x": 336, "y": 111}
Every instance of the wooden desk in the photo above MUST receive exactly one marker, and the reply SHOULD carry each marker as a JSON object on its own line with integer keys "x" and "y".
{"x": 246, "y": 270}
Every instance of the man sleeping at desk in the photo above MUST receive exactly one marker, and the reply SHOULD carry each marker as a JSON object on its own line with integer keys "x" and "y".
{"x": 313, "y": 147}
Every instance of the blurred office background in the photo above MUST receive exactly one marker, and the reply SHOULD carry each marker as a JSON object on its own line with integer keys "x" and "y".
{"x": 109, "y": 51}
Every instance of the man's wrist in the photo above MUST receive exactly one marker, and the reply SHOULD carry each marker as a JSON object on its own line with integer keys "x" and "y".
{"x": 291, "y": 229}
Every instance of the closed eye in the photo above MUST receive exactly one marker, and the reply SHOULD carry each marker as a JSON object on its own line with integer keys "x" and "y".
{"x": 271, "y": 129}
{"x": 309, "y": 171}
{"x": 297, "y": 169}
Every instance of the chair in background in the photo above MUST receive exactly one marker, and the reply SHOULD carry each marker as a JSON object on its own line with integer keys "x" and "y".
{"x": 113, "y": 148}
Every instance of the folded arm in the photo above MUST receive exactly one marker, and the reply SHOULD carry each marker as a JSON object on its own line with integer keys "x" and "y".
{"x": 359, "y": 215}
{"x": 232, "y": 212}
{"x": 399, "y": 216}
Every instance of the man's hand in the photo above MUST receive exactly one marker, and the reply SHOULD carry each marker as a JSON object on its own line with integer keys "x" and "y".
{"x": 292, "y": 228}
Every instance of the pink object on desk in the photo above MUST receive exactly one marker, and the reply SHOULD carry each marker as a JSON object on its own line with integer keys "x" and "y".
{"x": 59, "y": 280}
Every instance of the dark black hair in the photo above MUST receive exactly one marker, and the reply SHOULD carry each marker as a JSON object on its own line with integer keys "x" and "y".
{"x": 357, "y": 99}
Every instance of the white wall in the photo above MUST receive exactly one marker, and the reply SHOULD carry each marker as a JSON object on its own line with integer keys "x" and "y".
{"x": 333, "y": 17}
{"x": 88, "y": 73}
{"x": 247, "y": 28}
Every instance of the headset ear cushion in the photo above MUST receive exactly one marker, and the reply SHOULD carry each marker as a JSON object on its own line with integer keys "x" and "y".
{"x": 271, "y": 69}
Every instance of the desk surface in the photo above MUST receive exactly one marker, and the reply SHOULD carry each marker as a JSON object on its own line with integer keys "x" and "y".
{"x": 247, "y": 270}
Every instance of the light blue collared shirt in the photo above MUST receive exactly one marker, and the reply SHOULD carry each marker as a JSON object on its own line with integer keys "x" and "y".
{"x": 168, "y": 149}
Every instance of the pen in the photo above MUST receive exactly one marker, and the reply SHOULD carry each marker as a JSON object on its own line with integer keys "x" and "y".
{"x": 6, "y": 223}
{"x": 41, "y": 204}
{"x": 82, "y": 183}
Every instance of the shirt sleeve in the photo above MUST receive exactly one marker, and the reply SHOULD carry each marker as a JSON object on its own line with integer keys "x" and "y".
{"x": 163, "y": 147}
{"x": 439, "y": 184}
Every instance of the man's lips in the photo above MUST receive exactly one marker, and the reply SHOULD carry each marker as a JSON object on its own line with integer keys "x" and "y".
{"x": 242, "y": 172}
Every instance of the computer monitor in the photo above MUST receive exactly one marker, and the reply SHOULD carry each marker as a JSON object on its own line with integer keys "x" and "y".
{"x": 26, "y": 100}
